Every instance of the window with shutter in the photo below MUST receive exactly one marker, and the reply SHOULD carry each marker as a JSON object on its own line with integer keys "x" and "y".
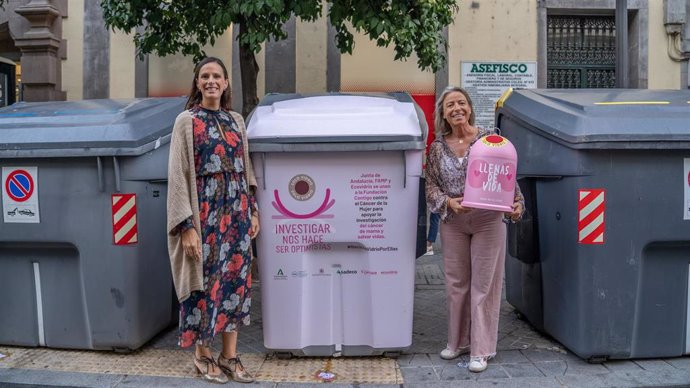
{"x": 581, "y": 51}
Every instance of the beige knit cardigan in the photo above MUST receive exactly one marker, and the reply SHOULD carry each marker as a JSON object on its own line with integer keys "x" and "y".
{"x": 183, "y": 201}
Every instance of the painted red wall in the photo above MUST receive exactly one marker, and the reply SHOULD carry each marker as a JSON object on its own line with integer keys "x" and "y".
{"x": 426, "y": 102}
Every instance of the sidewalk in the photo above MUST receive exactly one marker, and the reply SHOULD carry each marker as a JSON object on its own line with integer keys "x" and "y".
{"x": 525, "y": 359}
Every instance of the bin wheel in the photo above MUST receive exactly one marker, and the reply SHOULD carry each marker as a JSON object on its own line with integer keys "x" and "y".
{"x": 393, "y": 355}
{"x": 597, "y": 359}
{"x": 122, "y": 350}
{"x": 283, "y": 355}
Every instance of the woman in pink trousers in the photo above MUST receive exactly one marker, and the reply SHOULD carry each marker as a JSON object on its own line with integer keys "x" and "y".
{"x": 473, "y": 240}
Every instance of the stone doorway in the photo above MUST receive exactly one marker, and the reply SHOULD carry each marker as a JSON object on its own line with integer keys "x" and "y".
{"x": 10, "y": 70}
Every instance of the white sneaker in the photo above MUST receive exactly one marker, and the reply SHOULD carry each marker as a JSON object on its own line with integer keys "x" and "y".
{"x": 477, "y": 364}
{"x": 429, "y": 251}
{"x": 448, "y": 354}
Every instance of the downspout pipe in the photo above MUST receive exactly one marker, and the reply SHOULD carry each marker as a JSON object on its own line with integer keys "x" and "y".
{"x": 622, "y": 60}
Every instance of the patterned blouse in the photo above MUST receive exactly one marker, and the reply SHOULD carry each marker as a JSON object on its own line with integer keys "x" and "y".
{"x": 445, "y": 176}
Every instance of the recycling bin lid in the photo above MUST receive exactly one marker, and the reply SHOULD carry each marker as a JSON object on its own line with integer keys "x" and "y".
{"x": 101, "y": 127}
{"x": 336, "y": 121}
{"x": 603, "y": 118}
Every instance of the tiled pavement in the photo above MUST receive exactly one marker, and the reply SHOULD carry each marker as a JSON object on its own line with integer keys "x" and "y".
{"x": 525, "y": 358}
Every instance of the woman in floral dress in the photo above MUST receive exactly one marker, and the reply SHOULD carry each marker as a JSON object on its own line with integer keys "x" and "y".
{"x": 212, "y": 217}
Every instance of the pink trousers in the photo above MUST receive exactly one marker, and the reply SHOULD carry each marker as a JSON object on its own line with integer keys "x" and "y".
{"x": 474, "y": 256}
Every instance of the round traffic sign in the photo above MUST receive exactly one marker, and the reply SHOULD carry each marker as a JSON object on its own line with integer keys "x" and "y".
{"x": 19, "y": 185}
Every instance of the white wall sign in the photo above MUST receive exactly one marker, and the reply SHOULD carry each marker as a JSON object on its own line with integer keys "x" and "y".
{"x": 686, "y": 185}
{"x": 486, "y": 82}
{"x": 20, "y": 195}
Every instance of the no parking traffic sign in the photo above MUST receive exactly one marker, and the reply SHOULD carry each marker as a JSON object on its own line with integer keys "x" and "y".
{"x": 20, "y": 194}
{"x": 19, "y": 185}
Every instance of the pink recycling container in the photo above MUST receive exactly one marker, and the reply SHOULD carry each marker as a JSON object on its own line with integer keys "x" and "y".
{"x": 337, "y": 254}
{"x": 491, "y": 170}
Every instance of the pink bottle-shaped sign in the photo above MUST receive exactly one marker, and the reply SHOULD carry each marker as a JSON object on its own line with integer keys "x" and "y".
{"x": 491, "y": 170}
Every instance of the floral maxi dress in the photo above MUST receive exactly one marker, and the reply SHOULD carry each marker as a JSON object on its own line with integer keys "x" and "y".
{"x": 225, "y": 210}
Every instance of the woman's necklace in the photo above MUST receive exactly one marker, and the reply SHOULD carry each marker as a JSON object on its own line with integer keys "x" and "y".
{"x": 459, "y": 140}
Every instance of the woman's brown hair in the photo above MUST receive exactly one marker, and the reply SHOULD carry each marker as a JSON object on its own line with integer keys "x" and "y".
{"x": 195, "y": 93}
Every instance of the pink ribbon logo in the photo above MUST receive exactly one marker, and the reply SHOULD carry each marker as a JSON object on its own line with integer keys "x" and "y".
{"x": 318, "y": 213}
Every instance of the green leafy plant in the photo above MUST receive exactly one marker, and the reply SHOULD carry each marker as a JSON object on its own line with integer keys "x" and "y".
{"x": 186, "y": 26}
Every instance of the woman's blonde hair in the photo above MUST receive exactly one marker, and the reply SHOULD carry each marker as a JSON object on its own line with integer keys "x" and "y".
{"x": 441, "y": 125}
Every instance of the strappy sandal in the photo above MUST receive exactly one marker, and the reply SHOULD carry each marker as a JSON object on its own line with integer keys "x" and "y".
{"x": 209, "y": 363}
{"x": 230, "y": 367}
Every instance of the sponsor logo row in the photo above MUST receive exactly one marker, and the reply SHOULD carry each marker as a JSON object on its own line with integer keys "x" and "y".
{"x": 282, "y": 274}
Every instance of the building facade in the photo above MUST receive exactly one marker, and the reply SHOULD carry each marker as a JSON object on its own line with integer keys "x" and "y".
{"x": 59, "y": 49}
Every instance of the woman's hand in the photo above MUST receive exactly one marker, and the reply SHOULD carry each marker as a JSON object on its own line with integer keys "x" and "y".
{"x": 517, "y": 211}
{"x": 191, "y": 244}
{"x": 454, "y": 205}
{"x": 254, "y": 230}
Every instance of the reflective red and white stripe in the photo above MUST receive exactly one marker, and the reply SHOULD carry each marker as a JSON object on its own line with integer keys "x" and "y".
{"x": 124, "y": 219}
{"x": 591, "y": 207}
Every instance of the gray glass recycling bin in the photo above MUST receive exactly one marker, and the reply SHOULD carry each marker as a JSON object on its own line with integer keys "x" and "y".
{"x": 65, "y": 168}
{"x": 601, "y": 263}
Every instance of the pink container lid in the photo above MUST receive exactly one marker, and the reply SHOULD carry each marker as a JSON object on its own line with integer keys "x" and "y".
{"x": 491, "y": 174}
